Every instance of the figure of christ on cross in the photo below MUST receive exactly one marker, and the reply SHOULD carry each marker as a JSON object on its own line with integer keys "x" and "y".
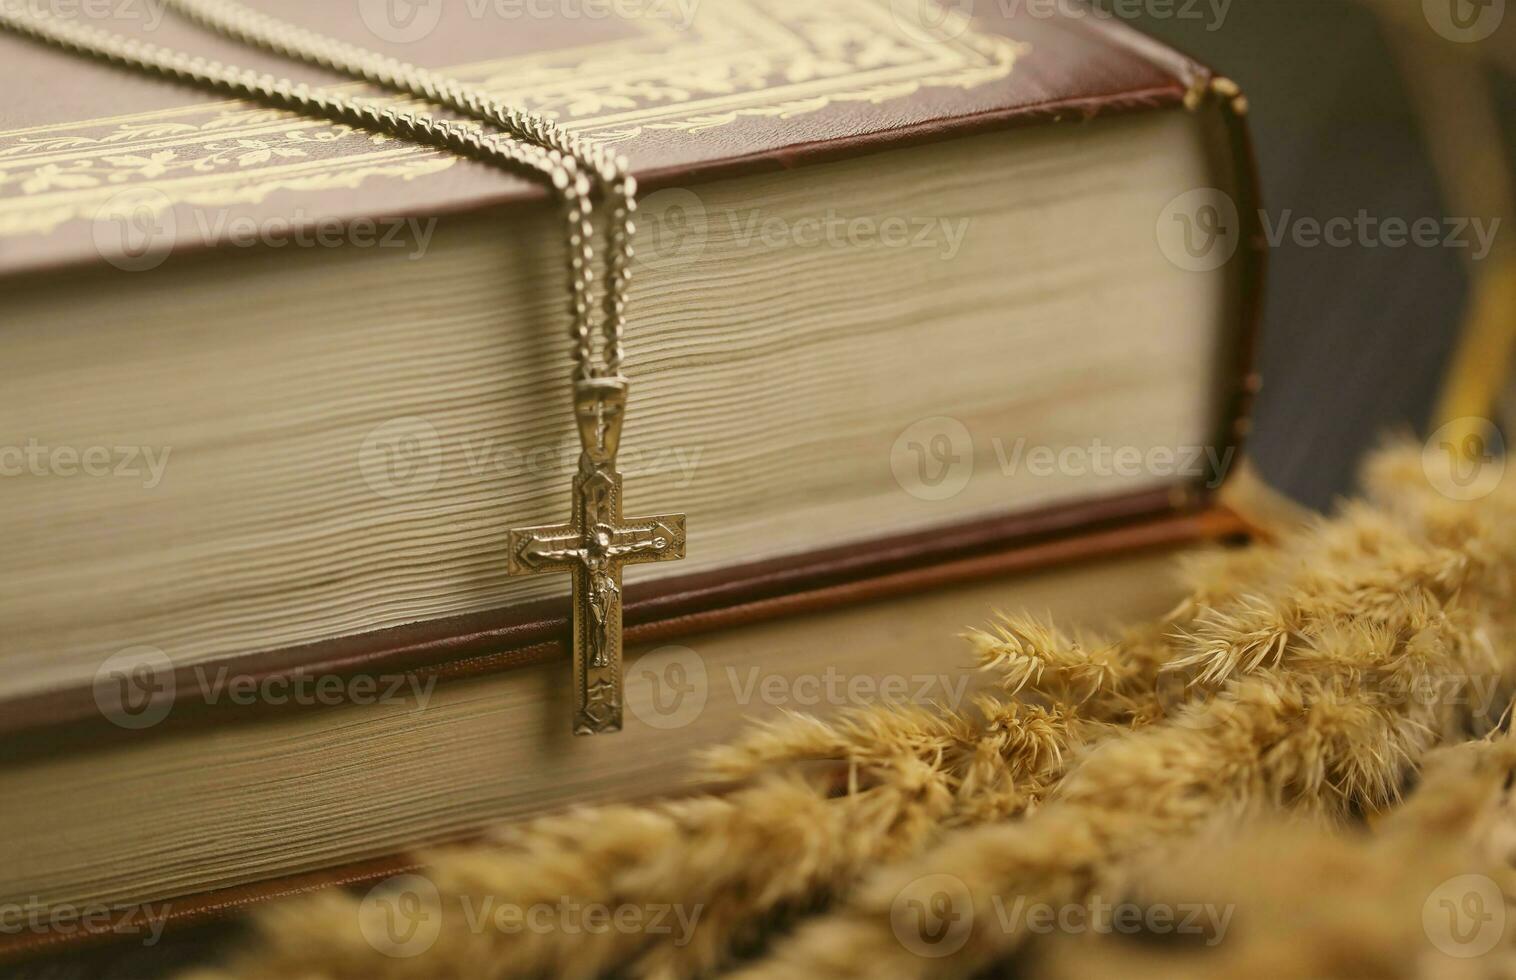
{"x": 594, "y": 547}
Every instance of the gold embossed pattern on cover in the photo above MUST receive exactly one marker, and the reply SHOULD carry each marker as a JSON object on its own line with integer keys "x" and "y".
{"x": 738, "y": 59}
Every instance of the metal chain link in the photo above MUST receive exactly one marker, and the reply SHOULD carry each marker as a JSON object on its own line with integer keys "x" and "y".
{"x": 538, "y": 143}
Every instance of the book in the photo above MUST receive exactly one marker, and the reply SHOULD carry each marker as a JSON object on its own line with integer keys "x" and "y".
{"x": 920, "y": 300}
{"x": 145, "y": 835}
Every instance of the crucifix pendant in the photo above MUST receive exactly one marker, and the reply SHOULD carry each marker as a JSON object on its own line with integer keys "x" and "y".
{"x": 593, "y": 546}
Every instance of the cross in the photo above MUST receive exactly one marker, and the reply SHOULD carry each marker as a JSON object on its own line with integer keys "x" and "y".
{"x": 594, "y": 546}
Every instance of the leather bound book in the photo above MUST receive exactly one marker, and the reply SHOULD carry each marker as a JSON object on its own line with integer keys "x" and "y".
{"x": 928, "y": 309}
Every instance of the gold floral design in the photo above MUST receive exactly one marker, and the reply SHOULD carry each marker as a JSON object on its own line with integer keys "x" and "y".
{"x": 742, "y": 58}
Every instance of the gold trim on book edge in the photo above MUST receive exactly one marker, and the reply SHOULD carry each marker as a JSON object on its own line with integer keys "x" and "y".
{"x": 741, "y": 58}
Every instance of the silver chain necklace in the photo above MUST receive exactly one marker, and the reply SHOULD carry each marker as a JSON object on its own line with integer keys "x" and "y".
{"x": 596, "y": 542}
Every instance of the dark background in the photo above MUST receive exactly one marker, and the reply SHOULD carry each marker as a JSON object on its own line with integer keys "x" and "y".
{"x": 1355, "y": 340}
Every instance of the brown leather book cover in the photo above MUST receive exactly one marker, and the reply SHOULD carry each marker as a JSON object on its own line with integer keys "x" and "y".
{"x": 690, "y": 92}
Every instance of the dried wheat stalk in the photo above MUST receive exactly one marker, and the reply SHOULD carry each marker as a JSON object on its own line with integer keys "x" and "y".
{"x": 1313, "y": 675}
